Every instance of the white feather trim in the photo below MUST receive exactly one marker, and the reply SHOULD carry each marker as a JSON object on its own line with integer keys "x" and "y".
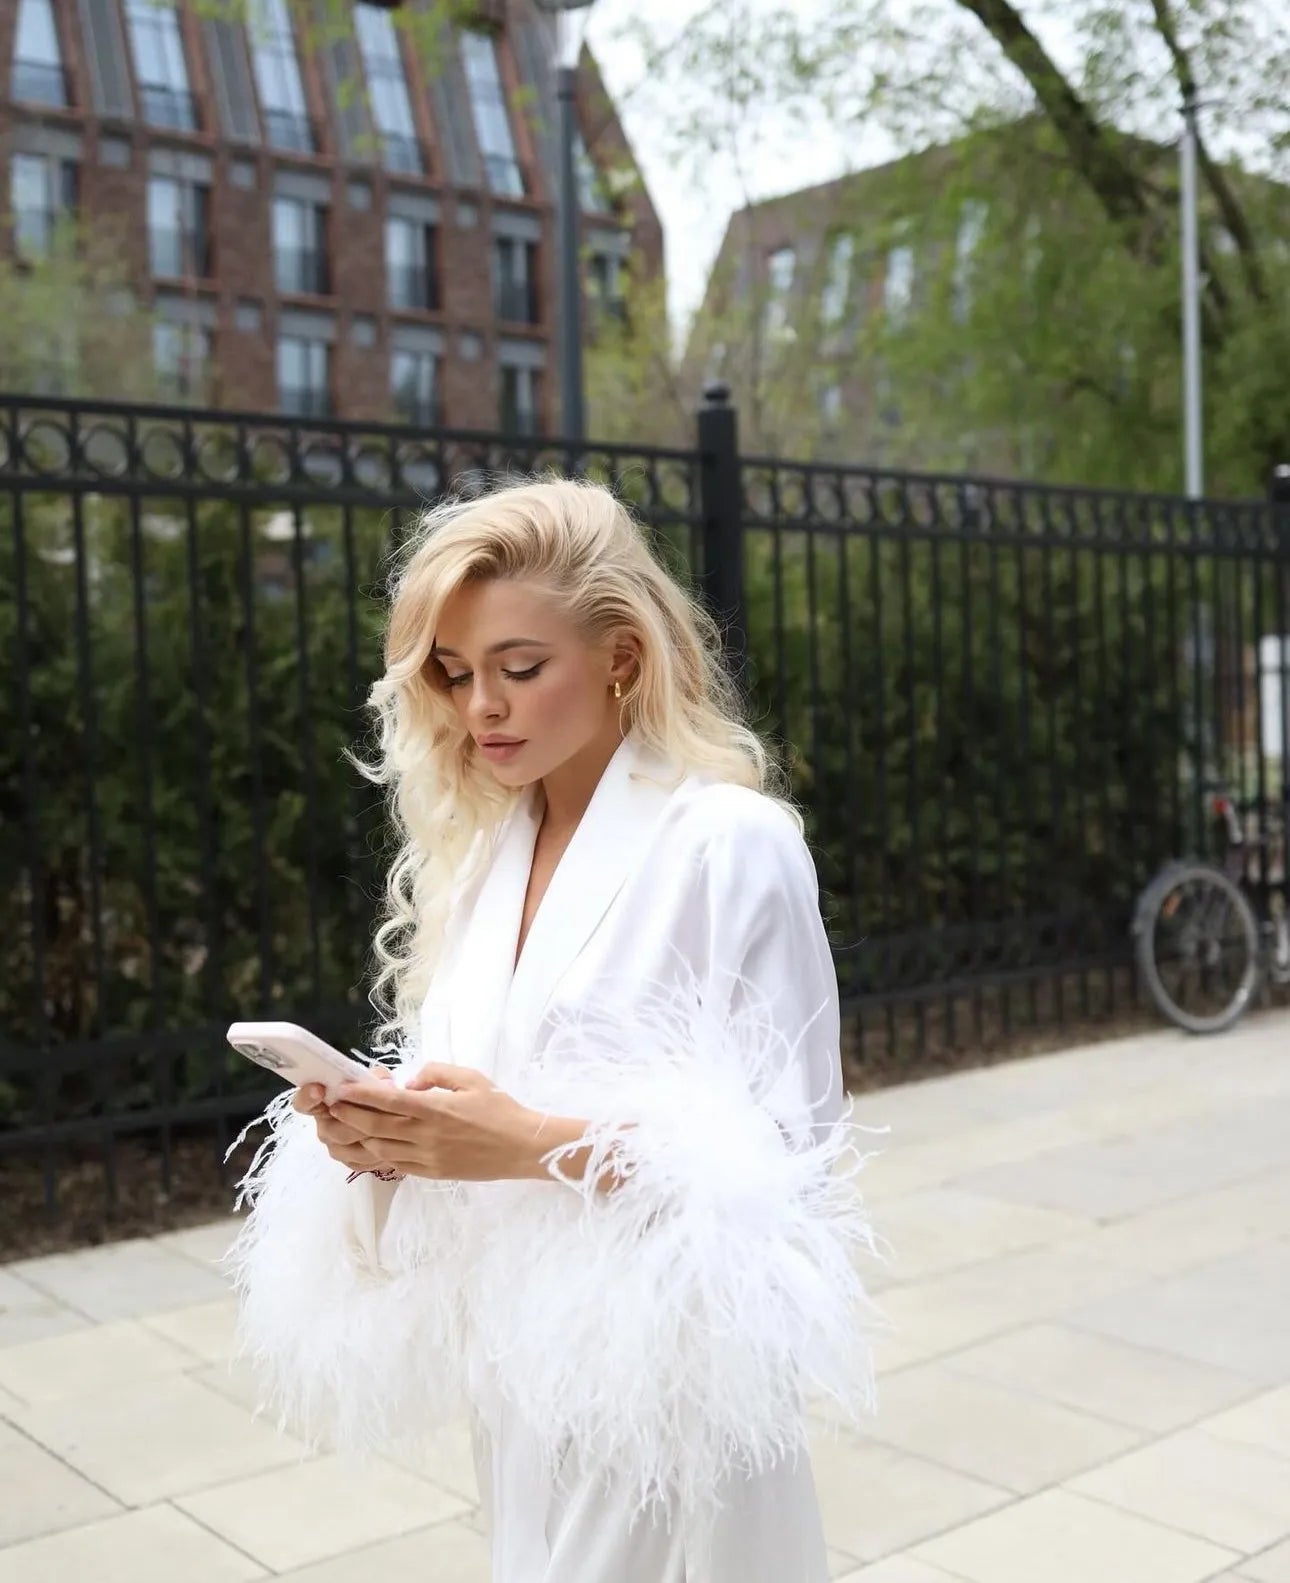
{"x": 346, "y": 1354}
{"x": 671, "y": 1329}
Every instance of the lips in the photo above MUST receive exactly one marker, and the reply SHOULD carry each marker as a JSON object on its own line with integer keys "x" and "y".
{"x": 499, "y": 750}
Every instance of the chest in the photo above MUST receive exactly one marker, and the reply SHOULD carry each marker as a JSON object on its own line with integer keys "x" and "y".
{"x": 547, "y": 852}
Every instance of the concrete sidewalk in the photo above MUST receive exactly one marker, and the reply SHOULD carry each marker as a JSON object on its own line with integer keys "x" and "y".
{"x": 1090, "y": 1382}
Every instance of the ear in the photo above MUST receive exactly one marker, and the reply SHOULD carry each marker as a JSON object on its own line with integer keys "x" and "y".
{"x": 625, "y": 657}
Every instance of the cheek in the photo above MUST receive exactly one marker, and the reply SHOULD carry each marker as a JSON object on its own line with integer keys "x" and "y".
{"x": 564, "y": 699}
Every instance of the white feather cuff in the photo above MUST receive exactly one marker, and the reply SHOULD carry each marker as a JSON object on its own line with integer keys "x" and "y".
{"x": 672, "y": 1329}
{"x": 346, "y": 1351}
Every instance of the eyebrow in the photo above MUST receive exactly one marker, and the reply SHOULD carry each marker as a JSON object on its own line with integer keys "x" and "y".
{"x": 498, "y": 648}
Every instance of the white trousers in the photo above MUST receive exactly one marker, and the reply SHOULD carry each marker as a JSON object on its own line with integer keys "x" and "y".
{"x": 766, "y": 1530}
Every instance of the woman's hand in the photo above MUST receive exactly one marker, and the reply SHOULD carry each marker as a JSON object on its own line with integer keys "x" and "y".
{"x": 343, "y": 1143}
{"x": 449, "y": 1124}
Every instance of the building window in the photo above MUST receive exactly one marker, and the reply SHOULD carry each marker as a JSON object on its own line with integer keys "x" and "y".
{"x": 38, "y": 76}
{"x": 972, "y": 219}
{"x": 277, "y": 77}
{"x": 605, "y": 284}
{"x": 781, "y": 266}
{"x": 300, "y": 247}
{"x": 492, "y": 116}
{"x": 515, "y": 280}
{"x": 411, "y": 278}
{"x": 829, "y": 396}
{"x": 414, "y": 381}
{"x": 42, "y": 191}
{"x": 387, "y": 88}
{"x": 837, "y": 284}
{"x": 898, "y": 284}
{"x": 159, "y": 65}
{"x": 179, "y": 238}
{"x": 181, "y": 354}
{"x": 519, "y": 414}
{"x": 304, "y": 376}
{"x": 592, "y": 194}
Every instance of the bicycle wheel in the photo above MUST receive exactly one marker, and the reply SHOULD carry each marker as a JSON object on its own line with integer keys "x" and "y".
{"x": 1198, "y": 947}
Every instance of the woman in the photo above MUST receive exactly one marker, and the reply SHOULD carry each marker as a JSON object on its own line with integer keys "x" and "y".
{"x": 595, "y": 1207}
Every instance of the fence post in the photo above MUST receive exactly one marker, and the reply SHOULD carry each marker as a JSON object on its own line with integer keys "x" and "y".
{"x": 720, "y": 497}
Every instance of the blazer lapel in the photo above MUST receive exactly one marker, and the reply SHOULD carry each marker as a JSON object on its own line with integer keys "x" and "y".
{"x": 482, "y": 966}
{"x": 607, "y": 846}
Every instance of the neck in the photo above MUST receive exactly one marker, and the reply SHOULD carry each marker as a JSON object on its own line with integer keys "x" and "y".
{"x": 567, "y": 790}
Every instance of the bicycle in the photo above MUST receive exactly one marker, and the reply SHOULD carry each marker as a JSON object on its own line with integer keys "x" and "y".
{"x": 1202, "y": 948}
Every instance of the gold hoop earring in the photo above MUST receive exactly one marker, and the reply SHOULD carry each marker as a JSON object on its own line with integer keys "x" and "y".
{"x": 618, "y": 689}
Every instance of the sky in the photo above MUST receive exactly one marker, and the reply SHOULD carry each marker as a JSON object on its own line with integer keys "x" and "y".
{"x": 694, "y": 215}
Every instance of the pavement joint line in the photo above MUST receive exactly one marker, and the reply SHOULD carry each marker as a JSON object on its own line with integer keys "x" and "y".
{"x": 224, "y": 1539}
{"x": 52, "y": 1297}
{"x": 366, "y": 1544}
{"x": 1179, "y": 1357}
{"x": 1238, "y": 1557}
{"x": 76, "y": 1472}
{"x": 1101, "y": 1417}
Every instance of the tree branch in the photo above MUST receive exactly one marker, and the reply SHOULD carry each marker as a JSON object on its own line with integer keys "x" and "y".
{"x": 1112, "y": 179}
{"x": 1215, "y": 179}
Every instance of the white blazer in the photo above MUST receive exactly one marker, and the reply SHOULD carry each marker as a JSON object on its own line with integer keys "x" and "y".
{"x": 677, "y": 992}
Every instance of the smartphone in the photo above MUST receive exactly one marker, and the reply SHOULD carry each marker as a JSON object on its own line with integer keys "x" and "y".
{"x": 294, "y": 1054}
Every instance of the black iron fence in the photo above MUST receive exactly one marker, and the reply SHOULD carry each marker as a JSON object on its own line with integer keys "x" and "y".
{"x": 1002, "y": 706}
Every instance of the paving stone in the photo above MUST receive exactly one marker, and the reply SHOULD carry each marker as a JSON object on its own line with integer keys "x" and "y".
{"x": 1262, "y": 1421}
{"x": 1062, "y": 1537}
{"x": 1027, "y": 1443}
{"x": 205, "y": 1245}
{"x": 898, "y": 1569}
{"x": 1112, "y": 1379}
{"x": 1237, "y": 1496}
{"x": 86, "y": 1360}
{"x": 943, "y": 1228}
{"x": 205, "y": 1330}
{"x": 1269, "y": 1566}
{"x": 157, "y": 1438}
{"x": 42, "y": 1494}
{"x": 876, "y": 1500}
{"x": 294, "y": 1516}
{"x": 449, "y": 1552}
{"x": 122, "y": 1280}
{"x": 158, "y": 1545}
{"x": 1229, "y": 1314}
{"x": 27, "y": 1314}
{"x": 1108, "y": 1178}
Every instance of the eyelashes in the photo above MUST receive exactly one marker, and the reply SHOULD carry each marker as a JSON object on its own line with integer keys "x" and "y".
{"x": 511, "y": 676}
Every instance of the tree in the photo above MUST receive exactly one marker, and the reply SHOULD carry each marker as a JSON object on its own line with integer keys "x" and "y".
{"x": 1060, "y": 356}
{"x": 70, "y": 324}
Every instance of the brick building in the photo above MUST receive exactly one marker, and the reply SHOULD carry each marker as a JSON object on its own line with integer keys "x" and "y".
{"x": 352, "y": 220}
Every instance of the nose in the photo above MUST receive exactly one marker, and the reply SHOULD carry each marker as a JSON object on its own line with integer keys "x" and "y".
{"x": 486, "y": 704}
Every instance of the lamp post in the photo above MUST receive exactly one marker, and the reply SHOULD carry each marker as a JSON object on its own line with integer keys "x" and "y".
{"x": 570, "y": 240}
{"x": 1193, "y": 439}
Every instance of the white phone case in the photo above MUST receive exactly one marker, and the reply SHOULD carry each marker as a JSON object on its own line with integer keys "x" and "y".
{"x": 294, "y": 1053}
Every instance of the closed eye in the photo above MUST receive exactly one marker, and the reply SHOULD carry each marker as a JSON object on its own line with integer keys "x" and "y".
{"x": 513, "y": 676}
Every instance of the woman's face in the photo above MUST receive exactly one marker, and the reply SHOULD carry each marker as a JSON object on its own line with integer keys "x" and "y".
{"x": 524, "y": 680}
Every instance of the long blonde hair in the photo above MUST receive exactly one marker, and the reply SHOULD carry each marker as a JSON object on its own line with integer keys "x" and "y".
{"x": 582, "y": 545}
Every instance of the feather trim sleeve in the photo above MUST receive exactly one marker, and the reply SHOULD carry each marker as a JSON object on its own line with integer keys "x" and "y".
{"x": 348, "y": 1314}
{"x": 674, "y": 1329}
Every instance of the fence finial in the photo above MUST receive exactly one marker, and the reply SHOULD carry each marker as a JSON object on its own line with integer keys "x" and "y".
{"x": 716, "y": 393}
{"x": 1279, "y": 485}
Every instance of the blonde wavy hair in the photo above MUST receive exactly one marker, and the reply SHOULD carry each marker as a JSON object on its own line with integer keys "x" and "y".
{"x": 581, "y": 545}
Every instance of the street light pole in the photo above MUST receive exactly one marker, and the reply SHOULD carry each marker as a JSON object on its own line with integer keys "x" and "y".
{"x": 571, "y": 395}
{"x": 570, "y": 261}
{"x": 1193, "y": 438}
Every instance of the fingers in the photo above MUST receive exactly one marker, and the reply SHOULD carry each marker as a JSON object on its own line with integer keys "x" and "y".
{"x": 444, "y": 1076}
{"x": 308, "y": 1098}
